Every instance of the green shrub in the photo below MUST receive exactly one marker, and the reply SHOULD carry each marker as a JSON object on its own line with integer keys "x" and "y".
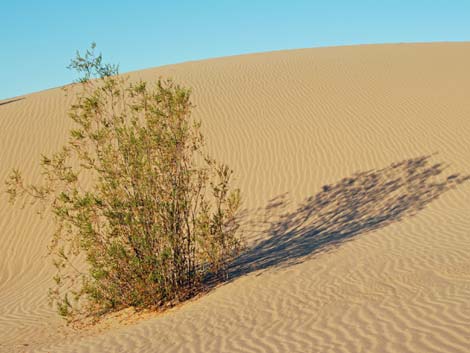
{"x": 134, "y": 193}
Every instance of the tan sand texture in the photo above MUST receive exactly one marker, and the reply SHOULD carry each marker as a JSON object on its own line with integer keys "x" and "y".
{"x": 358, "y": 242}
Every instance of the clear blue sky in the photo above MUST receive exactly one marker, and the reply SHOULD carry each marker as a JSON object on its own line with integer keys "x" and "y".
{"x": 39, "y": 37}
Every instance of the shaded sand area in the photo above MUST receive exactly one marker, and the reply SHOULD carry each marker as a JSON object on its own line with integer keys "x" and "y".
{"x": 352, "y": 164}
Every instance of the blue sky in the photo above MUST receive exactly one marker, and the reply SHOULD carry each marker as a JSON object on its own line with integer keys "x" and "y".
{"x": 39, "y": 37}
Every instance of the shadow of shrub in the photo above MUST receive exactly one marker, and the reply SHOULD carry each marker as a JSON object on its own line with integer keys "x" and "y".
{"x": 355, "y": 205}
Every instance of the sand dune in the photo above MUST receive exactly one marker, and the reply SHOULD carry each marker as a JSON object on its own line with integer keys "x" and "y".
{"x": 359, "y": 226}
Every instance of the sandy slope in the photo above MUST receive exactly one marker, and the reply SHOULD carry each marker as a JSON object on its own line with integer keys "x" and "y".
{"x": 288, "y": 123}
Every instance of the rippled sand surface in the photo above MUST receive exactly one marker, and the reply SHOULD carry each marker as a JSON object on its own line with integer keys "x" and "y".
{"x": 358, "y": 224}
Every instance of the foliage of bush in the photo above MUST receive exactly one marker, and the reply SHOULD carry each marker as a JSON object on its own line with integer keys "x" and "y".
{"x": 133, "y": 193}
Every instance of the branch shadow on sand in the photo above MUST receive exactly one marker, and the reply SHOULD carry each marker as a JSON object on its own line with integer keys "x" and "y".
{"x": 364, "y": 202}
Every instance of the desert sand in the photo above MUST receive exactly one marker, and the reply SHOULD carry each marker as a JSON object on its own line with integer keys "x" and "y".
{"x": 358, "y": 225}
